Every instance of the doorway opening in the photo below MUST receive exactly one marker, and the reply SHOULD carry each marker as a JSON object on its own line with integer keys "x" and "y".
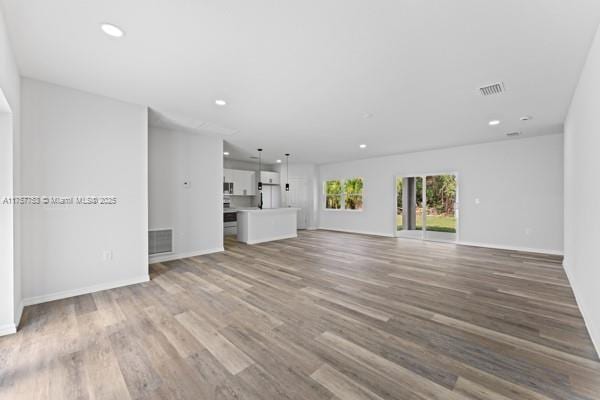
{"x": 9, "y": 278}
{"x": 427, "y": 207}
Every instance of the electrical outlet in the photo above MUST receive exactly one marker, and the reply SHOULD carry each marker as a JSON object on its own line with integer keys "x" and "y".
{"x": 477, "y": 201}
{"x": 107, "y": 255}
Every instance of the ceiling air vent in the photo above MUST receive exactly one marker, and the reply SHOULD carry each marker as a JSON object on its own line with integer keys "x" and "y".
{"x": 511, "y": 134}
{"x": 492, "y": 89}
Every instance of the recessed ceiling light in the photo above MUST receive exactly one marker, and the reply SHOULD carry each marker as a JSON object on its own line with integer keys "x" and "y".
{"x": 278, "y": 161}
{"x": 225, "y": 153}
{"x": 363, "y": 146}
{"x": 112, "y": 30}
{"x": 494, "y": 122}
{"x": 220, "y": 102}
{"x": 526, "y": 118}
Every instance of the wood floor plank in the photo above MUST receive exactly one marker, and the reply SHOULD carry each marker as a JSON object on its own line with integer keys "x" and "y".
{"x": 417, "y": 383}
{"x": 341, "y": 386}
{"x": 512, "y": 340}
{"x": 103, "y": 372}
{"x": 222, "y": 349}
{"x": 474, "y": 391}
{"x": 327, "y": 315}
{"x": 368, "y": 311}
{"x": 203, "y": 284}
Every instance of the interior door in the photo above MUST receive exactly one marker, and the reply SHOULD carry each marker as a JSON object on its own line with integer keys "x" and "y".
{"x": 298, "y": 197}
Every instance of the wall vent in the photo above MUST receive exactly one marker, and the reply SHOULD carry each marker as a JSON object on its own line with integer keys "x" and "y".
{"x": 510, "y": 134}
{"x": 492, "y": 89}
{"x": 160, "y": 241}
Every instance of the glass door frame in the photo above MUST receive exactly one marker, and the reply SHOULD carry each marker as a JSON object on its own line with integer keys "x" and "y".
{"x": 424, "y": 199}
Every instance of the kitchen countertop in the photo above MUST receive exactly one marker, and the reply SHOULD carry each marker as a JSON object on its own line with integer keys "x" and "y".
{"x": 256, "y": 209}
{"x": 237, "y": 209}
{"x": 267, "y": 210}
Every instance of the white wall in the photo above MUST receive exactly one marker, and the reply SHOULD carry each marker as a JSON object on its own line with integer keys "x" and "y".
{"x": 582, "y": 193}
{"x": 10, "y": 266}
{"x": 7, "y": 223}
{"x": 195, "y": 213}
{"x": 79, "y": 144}
{"x": 518, "y": 182}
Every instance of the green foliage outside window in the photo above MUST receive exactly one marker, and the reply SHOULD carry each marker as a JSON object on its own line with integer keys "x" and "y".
{"x": 441, "y": 193}
{"x": 348, "y": 195}
{"x": 441, "y": 198}
{"x": 333, "y": 194}
{"x": 353, "y": 189}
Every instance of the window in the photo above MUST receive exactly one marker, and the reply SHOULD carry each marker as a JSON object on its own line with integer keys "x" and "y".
{"x": 346, "y": 196}
{"x": 333, "y": 194}
{"x": 353, "y": 189}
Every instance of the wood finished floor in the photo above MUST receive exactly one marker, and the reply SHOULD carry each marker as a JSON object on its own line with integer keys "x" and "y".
{"x": 325, "y": 316}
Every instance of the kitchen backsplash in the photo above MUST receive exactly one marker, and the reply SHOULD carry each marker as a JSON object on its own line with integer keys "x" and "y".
{"x": 242, "y": 201}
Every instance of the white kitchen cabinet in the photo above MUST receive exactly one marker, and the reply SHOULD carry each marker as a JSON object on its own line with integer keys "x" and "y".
{"x": 269, "y": 178}
{"x": 236, "y": 179}
{"x": 244, "y": 182}
{"x": 248, "y": 183}
{"x": 227, "y": 175}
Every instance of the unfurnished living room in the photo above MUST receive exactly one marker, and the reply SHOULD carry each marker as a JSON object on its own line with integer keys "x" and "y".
{"x": 303, "y": 200}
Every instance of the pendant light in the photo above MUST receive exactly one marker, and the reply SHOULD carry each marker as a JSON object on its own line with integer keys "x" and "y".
{"x": 259, "y": 169}
{"x": 287, "y": 172}
{"x": 260, "y": 193}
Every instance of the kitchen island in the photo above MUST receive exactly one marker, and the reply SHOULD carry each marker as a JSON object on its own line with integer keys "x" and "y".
{"x": 258, "y": 226}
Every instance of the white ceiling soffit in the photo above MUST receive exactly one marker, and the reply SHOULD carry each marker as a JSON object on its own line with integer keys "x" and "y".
{"x": 172, "y": 121}
{"x": 316, "y": 78}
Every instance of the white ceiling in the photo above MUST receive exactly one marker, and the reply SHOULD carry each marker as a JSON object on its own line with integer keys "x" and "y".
{"x": 299, "y": 76}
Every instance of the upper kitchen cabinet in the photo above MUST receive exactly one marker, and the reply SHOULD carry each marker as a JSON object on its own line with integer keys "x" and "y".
{"x": 227, "y": 175}
{"x": 243, "y": 181}
{"x": 269, "y": 178}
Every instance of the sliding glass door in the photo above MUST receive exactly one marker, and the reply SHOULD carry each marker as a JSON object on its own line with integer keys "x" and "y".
{"x": 409, "y": 202}
{"x": 426, "y": 207}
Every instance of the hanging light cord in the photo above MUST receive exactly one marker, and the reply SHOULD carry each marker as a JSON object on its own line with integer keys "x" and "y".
{"x": 259, "y": 161}
{"x": 287, "y": 172}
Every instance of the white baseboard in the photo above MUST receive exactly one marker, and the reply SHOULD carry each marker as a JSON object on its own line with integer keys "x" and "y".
{"x": 325, "y": 228}
{"x": 8, "y": 329}
{"x": 514, "y": 248}
{"x": 19, "y": 314}
{"x": 461, "y": 242}
{"x": 270, "y": 239}
{"x": 591, "y": 328}
{"x": 179, "y": 256}
{"x": 85, "y": 290}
